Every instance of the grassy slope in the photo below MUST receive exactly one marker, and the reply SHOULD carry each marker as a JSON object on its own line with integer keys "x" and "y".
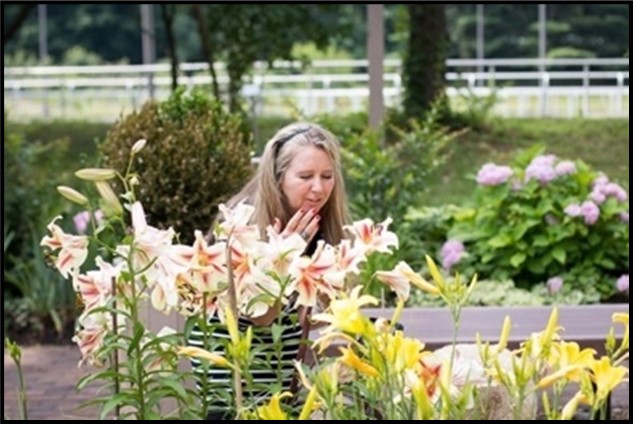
{"x": 604, "y": 144}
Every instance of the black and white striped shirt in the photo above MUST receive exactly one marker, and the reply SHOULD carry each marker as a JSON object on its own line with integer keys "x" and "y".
{"x": 270, "y": 371}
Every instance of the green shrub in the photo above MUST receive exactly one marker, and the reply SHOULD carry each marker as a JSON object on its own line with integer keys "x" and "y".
{"x": 546, "y": 218}
{"x": 385, "y": 178}
{"x": 197, "y": 156}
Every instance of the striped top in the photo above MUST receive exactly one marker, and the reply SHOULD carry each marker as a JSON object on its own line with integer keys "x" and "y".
{"x": 272, "y": 366}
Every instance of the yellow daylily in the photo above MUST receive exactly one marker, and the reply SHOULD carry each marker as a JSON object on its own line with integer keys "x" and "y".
{"x": 568, "y": 354}
{"x": 505, "y": 334}
{"x": 273, "y": 411}
{"x": 352, "y": 360}
{"x": 570, "y": 407}
{"x": 309, "y": 405}
{"x": 345, "y": 314}
{"x": 402, "y": 353}
{"x": 199, "y": 353}
{"x": 435, "y": 273}
{"x": 621, "y": 317}
{"x": 606, "y": 377}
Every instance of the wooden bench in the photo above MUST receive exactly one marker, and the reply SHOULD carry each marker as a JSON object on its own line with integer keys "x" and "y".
{"x": 588, "y": 325}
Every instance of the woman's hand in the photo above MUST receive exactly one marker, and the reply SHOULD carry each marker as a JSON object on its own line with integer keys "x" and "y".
{"x": 303, "y": 222}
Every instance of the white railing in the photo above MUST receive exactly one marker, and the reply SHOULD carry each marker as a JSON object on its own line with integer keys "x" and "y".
{"x": 523, "y": 87}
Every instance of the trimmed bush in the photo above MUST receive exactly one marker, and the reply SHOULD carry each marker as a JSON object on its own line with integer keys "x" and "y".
{"x": 197, "y": 156}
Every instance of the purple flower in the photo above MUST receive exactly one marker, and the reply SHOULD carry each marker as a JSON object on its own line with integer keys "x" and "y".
{"x": 82, "y": 219}
{"x": 573, "y": 210}
{"x": 565, "y": 167}
{"x": 554, "y": 284}
{"x": 615, "y": 190}
{"x": 624, "y": 217}
{"x": 597, "y": 195}
{"x": 623, "y": 283}
{"x": 492, "y": 175}
{"x": 590, "y": 212}
{"x": 600, "y": 180}
{"x": 541, "y": 171}
{"x": 451, "y": 252}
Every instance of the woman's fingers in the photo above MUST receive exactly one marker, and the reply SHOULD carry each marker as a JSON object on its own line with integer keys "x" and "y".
{"x": 311, "y": 229}
{"x": 303, "y": 222}
{"x": 277, "y": 225}
{"x": 293, "y": 224}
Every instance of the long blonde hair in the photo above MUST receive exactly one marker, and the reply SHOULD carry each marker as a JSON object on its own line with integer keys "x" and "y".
{"x": 264, "y": 192}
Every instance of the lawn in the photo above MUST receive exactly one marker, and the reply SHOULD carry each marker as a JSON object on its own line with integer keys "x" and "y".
{"x": 604, "y": 144}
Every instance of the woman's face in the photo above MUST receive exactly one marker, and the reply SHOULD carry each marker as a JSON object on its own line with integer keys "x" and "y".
{"x": 309, "y": 180}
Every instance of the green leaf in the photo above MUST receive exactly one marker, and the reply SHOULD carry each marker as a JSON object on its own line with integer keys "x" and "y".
{"x": 540, "y": 241}
{"x": 139, "y": 330}
{"x": 117, "y": 399}
{"x": 560, "y": 255}
{"x": 501, "y": 240}
{"x": 517, "y": 259}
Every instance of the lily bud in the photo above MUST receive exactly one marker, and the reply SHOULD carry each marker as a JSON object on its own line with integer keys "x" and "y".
{"x": 95, "y": 174}
{"x": 138, "y": 146}
{"x": 112, "y": 204}
{"x": 72, "y": 195}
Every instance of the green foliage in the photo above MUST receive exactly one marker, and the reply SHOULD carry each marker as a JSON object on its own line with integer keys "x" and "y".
{"x": 505, "y": 293}
{"x": 44, "y": 299}
{"x": 384, "y": 179}
{"x": 523, "y": 228}
{"x": 196, "y": 156}
{"x": 471, "y": 110}
{"x": 241, "y": 35}
{"x": 31, "y": 171}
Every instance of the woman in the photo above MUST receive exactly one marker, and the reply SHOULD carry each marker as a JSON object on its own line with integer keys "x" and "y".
{"x": 298, "y": 188}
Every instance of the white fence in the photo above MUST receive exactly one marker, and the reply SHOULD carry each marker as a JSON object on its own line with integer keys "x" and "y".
{"x": 523, "y": 87}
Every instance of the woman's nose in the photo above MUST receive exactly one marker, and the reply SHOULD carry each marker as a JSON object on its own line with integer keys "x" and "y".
{"x": 317, "y": 185}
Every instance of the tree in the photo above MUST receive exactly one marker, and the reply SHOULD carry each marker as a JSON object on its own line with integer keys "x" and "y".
{"x": 168, "y": 14}
{"x": 240, "y": 35}
{"x": 17, "y": 19}
{"x": 425, "y": 58}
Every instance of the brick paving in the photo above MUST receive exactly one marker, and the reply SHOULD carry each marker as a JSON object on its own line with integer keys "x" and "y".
{"x": 51, "y": 374}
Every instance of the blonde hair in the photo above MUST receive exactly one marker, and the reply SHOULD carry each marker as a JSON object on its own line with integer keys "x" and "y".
{"x": 264, "y": 192}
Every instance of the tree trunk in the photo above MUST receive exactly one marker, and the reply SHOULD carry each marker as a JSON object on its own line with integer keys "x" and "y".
{"x": 13, "y": 27}
{"x": 425, "y": 58}
{"x": 168, "y": 12}
{"x": 207, "y": 50}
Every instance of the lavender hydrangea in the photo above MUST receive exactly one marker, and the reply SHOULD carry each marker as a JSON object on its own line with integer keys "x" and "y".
{"x": 565, "y": 167}
{"x": 554, "y": 285}
{"x": 541, "y": 169}
{"x": 623, "y": 283}
{"x": 590, "y": 211}
{"x": 451, "y": 252}
{"x": 493, "y": 175}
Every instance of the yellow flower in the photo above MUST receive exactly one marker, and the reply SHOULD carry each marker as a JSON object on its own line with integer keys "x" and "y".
{"x": 621, "y": 317}
{"x": 350, "y": 359}
{"x": 273, "y": 410}
{"x": 401, "y": 352}
{"x": 435, "y": 273}
{"x": 345, "y": 314}
{"x": 606, "y": 377}
{"x": 196, "y": 352}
